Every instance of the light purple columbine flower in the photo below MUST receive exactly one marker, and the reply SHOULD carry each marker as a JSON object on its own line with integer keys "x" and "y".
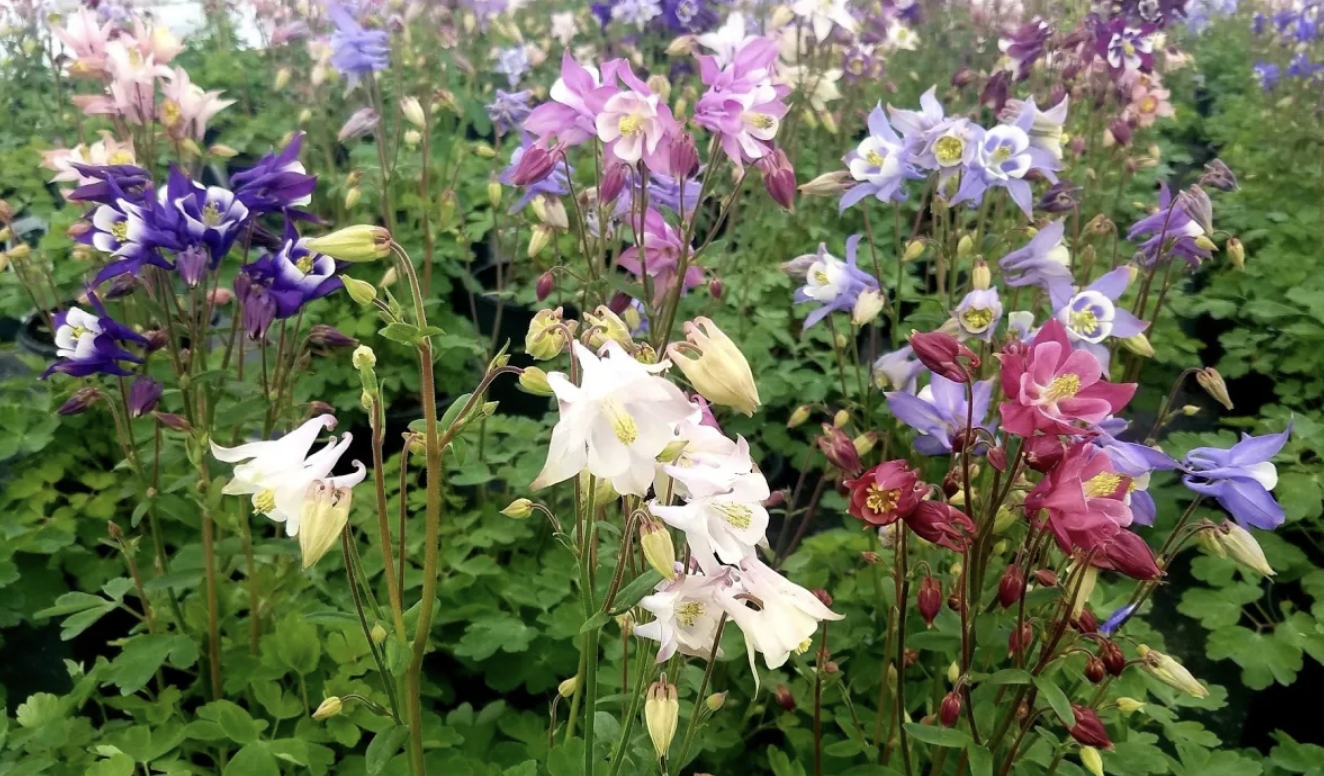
{"x": 834, "y": 284}
{"x": 1025, "y": 45}
{"x": 859, "y": 64}
{"x": 1042, "y": 262}
{"x": 1118, "y": 618}
{"x": 1171, "y": 224}
{"x": 635, "y": 124}
{"x": 880, "y": 164}
{"x": 508, "y": 110}
{"x": 664, "y": 192}
{"x": 898, "y": 370}
{"x": 939, "y": 411}
{"x": 356, "y": 51}
{"x": 935, "y": 142}
{"x": 1240, "y": 478}
{"x": 1136, "y": 461}
{"x": 1266, "y": 75}
{"x": 576, "y": 98}
{"x": 1092, "y": 314}
{"x": 637, "y": 13}
{"x": 742, "y": 106}
{"x": 1005, "y": 154}
{"x": 978, "y": 313}
{"x": 192, "y": 264}
{"x": 513, "y": 63}
{"x": 662, "y": 249}
{"x": 91, "y": 343}
{"x": 1125, "y": 48}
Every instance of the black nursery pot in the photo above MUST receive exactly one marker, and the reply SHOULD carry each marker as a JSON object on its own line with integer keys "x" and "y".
{"x": 35, "y": 337}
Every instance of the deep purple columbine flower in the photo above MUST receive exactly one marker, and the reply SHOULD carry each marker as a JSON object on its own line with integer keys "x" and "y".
{"x": 691, "y": 16}
{"x": 1124, "y": 47}
{"x": 834, "y": 284}
{"x": 880, "y": 163}
{"x": 1042, "y": 262}
{"x": 1240, "y": 478}
{"x": 91, "y": 343}
{"x": 278, "y": 285}
{"x": 276, "y": 182}
{"x": 192, "y": 263}
{"x": 1173, "y": 225}
{"x": 508, "y": 110}
{"x": 899, "y": 370}
{"x": 356, "y": 51}
{"x": 1060, "y": 197}
{"x": 143, "y": 396}
{"x": 1025, "y": 46}
{"x": 112, "y": 183}
{"x": 1092, "y": 314}
{"x": 938, "y": 412}
{"x": 133, "y": 234}
{"x": 209, "y": 214}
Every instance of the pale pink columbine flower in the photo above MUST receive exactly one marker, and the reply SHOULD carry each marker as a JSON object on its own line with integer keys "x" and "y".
{"x": 1149, "y": 102}
{"x": 662, "y": 248}
{"x": 576, "y": 99}
{"x": 106, "y": 151}
{"x": 132, "y": 86}
{"x": 186, "y": 108}
{"x": 156, "y": 43}
{"x": 635, "y": 123}
{"x": 87, "y": 39}
{"x": 742, "y": 106}
{"x": 361, "y": 123}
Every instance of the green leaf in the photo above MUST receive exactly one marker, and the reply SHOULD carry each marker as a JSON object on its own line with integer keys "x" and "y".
{"x": 938, "y": 736}
{"x": 39, "y": 710}
{"x": 1264, "y": 658}
{"x": 253, "y": 760}
{"x": 383, "y": 747}
{"x": 139, "y": 661}
{"x": 526, "y": 768}
{"x": 298, "y": 646}
{"x": 981, "y": 760}
{"x": 118, "y": 764}
{"x": 233, "y": 721}
{"x": 1057, "y": 700}
{"x": 630, "y": 595}
{"x": 1009, "y": 676}
{"x": 566, "y": 759}
{"x": 397, "y": 657}
{"x": 595, "y": 622}
{"x": 502, "y": 631}
{"x": 403, "y": 333}
{"x": 1218, "y": 608}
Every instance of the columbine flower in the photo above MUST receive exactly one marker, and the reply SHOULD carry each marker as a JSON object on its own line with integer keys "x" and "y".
{"x": 859, "y": 64}
{"x": 1126, "y": 48}
{"x": 978, "y": 313}
{"x": 637, "y": 13}
{"x": 554, "y": 184}
{"x": 277, "y": 286}
{"x": 901, "y": 37}
{"x": 512, "y": 62}
{"x": 281, "y": 476}
{"x": 356, "y": 51}
{"x": 785, "y": 618}
{"x": 1043, "y": 262}
{"x": 833, "y": 283}
{"x": 822, "y": 14}
{"x": 939, "y": 411}
{"x": 727, "y": 40}
{"x": 1138, "y": 462}
{"x": 880, "y": 164}
{"x": 564, "y": 27}
{"x": 1266, "y": 75}
{"x": 1025, "y": 46}
{"x": 277, "y": 182}
{"x": 1051, "y": 386}
{"x": 1148, "y": 103}
{"x": 210, "y": 214}
{"x": 720, "y": 372}
{"x": 662, "y": 249}
{"x": 1241, "y": 478}
{"x": 722, "y": 527}
{"x": 1092, "y": 315}
{"x": 1045, "y": 127}
{"x": 91, "y": 343}
{"x": 820, "y": 86}
{"x": 742, "y": 106}
{"x": 106, "y": 151}
{"x": 899, "y": 370}
{"x": 687, "y": 612}
{"x": 1004, "y": 156}
{"x": 635, "y": 124}
{"x": 508, "y": 110}
{"x": 1171, "y": 226}
{"x": 615, "y": 422}
{"x": 186, "y": 108}
{"x": 886, "y": 493}
{"x": 87, "y": 39}
{"x": 362, "y": 122}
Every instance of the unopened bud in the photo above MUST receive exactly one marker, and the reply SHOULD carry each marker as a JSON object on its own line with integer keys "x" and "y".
{"x": 568, "y": 687}
{"x": 661, "y": 713}
{"x": 949, "y": 711}
{"x": 413, "y": 112}
{"x": 965, "y": 246}
{"x": 352, "y": 195}
{"x": 841, "y": 419}
{"x": 282, "y": 78}
{"x": 914, "y": 249}
{"x": 1129, "y": 705}
{"x": 1139, "y": 344}
{"x": 358, "y": 243}
{"x": 1241, "y": 547}
{"x": 540, "y": 239}
{"x": 519, "y": 509}
{"x": 378, "y": 634}
{"x": 799, "y": 416}
{"x": 1172, "y": 673}
{"x": 659, "y": 551}
{"x": 784, "y": 697}
{"x": 328, "y": 709}
{"x": 1212, "y": 382}
{"x": 1236, "y": 252}
{"x": 1092, "y": 760}
{"x": 832, "y": 184}
{"x": 534, "y": 380}
{"x": 980, "y": 277}
{"x": 362, "y": 292}
{"x": 715, "y": 701}
{"x": 543, "y": 288}
{"x": 222, "y": 151}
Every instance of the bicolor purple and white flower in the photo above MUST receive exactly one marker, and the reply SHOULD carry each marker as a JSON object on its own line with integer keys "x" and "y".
{"x": 938, "y": 412}
{"x": 834, "y": 284}
{"x": 978, "y": 313}
{"x": 1241, "y": 478}
{"x": 89, "y": 343}
{"x": 1004, "y": 156}
{"x": 880, "y": 164}
{"x": 742, "y": 106}
{"x": 1043, "y": 262}
{"x": 1092, "y": 314}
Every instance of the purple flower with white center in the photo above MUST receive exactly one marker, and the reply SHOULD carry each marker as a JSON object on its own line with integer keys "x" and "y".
{"x": 690, "y": 16}
{"x": 1138, "y": 462}
{"x": 143, "y": 396}
{"x": 1302, "y": 67}
{"x": 1004, "y": 157}
{"x": 1020, "y": 326}
{"x": 508, "y": 110}
{"x": 356, "y": 51}
{"x": 513, "y": 63}
{"x": 1266, "y": 75}
{"x": 1025, "y": 46}
{"x": 662, "y": 249}
{"x": 313, "y": 274}
{"x": 663, "y": 192}
{"x": 210, "y": 214}
{"x": 91, "y": 343}
{"x": 859, "y": 64}
{"x": 1043, "y": 261}
{"x": 1118, "y": 618}
{"x": 933, "y": 141}
{"x": 1045, "y": 125}
{"x": 577, "y": 97}
{"x": 880, "y": 164}
{"x": 978, "y": 313}
{"x": 1241, "y": 478}
{"x": 898, "y": 370}
{"x": 938, "y": 412}
{"x": 1173, "y": 225}
{"x": 742, "y": 106}
{"x": 1093, "y": 315}
{"x": 132, "y": 234}
{"x": 834, "y": 284}
{"x": 278, "y": 285}
{"x": 277, "y": 182}
{"x": 555, "y": 184}
{"x": 635, "y": 12}
{"x": 1125, "y": 47}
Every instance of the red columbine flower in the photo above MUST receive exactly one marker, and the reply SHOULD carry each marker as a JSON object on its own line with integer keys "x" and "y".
{"x": 886, "y": 493}
{"x": 841, "y": 453}
{"x": 942, "y": 524}
{"x": 942, "y": 353}
{"x": 1052, "y": 386}
{"x": 1089, "y": 730}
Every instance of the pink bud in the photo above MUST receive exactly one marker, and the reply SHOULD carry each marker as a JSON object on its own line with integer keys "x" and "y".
{"x": 942, "y": 353}
{"x": 929, "y": 599}
{"x": 950, "y": 709}
{"x": 535, "y": 164}
{"x": 543, "y": 288}
{"x": 220, "y": 296}
{"x": 684, "y": 157}
{"x": 715, "y": 288}
{"x": 1012, "y": 586}
{"x": 779, "y": 178}
{"x": 613, "y": 182}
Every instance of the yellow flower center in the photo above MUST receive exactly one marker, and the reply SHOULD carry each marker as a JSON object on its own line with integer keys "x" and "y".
{"x": 689, "y": 613}
{"x": 1148, "y": 105}
{"x": 803, "y": 646}
{"x": 170, "y": 113}
{"x": 874, "y": 159}
{"x": 1063, "y": 387}
{"x": 120, "y": 231}
{"x": 629, "y": 124}
{"x": 305, "y": 264}
{"x": 626, "y": 429}
{"x": 1085, "y": 322}
{"x": 1102, "y": 484}
{"x": 758, "y": 120}
{"x": 78, "y": 331}
{"x": 737, "y": 515}
{"x": 856, "y": 66}
{"x": 265, "y": 501}
{"x": 977, "y": 318}
{"x": 211, "y": 215}
{"x": 881, "y": 501}
{"x": 1002, "y": 154}
{"x": 949, "y": 149}
{"x": 820, "y": 277}
{"x": 1128, "y": 48}
{"x": 121, "y": 157}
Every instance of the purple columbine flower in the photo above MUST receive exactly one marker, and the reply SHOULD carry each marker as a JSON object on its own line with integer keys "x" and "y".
{"x": 1240, "y": 478}
{"x": 663, "y": 192}
{"x": 933, "y": 141}
{"x": 938, "y": 412}
{"x": 1266, "y": 75}
{"x": 508, "y": 110}
{"x": 278, "y": 285}
{"x": 556, "y": 184}
{"x": 742, "y": 106}
{"x": 91, "y": 343}
{"x": 143, "y": 396}
{"x": 513, "y": 63}
{"x": 636, "y": 13}
{"x": 1025, "y": 46}
{"x": 880, "y": 164}
{"x": 1115, "y": 620}
{"x": 1060, "y": 197}
{"x": 1092, "y": 315}
{"x": 834, "y": 284}
{"x": 192, "y": 263}
{"x": 1302, "y": 67}
{"x": 1004, "y": 156}
{"x": 1125, "y": 47}
{"x": 1042, "y": 262}
{"x": 689, "y": 16}
{"x": 898, "y": 370}
{"x": 356, "y": 51}
{"x": 276, "y": 182}
{"x": 978, "y": 313}
{"x": 1136, "y": 461}
{"x": 576, "y": 98}
{"x": 662, "y": 249}
{"x": 209, "y": 214}
{"x": 111, "y": 183}
{"x": 133, "y": 234}
{"x": 1173, "y": 225}
{"x": 859, "y": 64}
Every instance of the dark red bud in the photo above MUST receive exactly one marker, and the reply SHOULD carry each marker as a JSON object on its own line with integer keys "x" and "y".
{"x": 543, "y": 288}
{"x": 715, "y": 288}
{"x": 1112, "y": 657}
{"x": 535, "y": 164}
{"x": 929, "y": 599}
{"x": 777, "y": 498}
{"x": 823, "y": 596}
{"x": 321, "y": 408}
{"x": 950, "y": 709}
{"x": 997, "y": 458}
{"x": 1021, "y": 638}
{"x": 784, "y": 698}
{"x": 1043, "y": 452}
{"x": 942, "y": 353}
{"x": 1086, "y": 622}
{"x": 831, "y": 667}
{"x": 172, "y": 421}
{"x": 619, "y": 302}
{"x": 1046, "y": 577}
{"x": 1094, "y": 670}
{"x": 1012, "y": 586}
{"x": 1089, "y": 730}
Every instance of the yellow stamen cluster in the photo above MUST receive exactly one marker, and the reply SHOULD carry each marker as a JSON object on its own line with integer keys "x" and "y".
{"x": 120, "y": 231}
{"x": 689, "y": 613}
{"x": 977, "y": 319}
{"x": 305, "y": 264}
{"x": 874, "y": 159}
{"x": 881, "y": 501}
{"x": 1102, "y": 484}
{"x": 211, "y": 215}
{"x": 629, "y": 125}
{"x": 1084, "y": 321}
{"x": 949, "y": 150}
{"x": 1063, "y": 387}
{"x": 265, "y": 501}
{"x": 1002, "y": 154}
{"x": 738, "y": 515}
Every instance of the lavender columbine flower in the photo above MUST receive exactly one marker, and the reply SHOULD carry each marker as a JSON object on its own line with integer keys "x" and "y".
{"x": 1302, "y": 67}
{"x": 143, "y": 396}
{"x": 1266, "y": 75}
{"x": 1092, "y": 315}
{"x": 508, "y": 110}
{"x": 1136, "y": 461}
{"x": 899, "y": 370}
{"x": 859, "y": 64}
{"x": 192, "y": 263}
{"x": 513, "y": 63}
{"x": 90, "y": 343}
{"x": 1060, "y": 197}
{"x": 664, "y": 192}
{"x": 692, "y": 16}
{"x": 111, "y": 183}
{"x": 1172, "y": 225}
{"x": 360, "y": 123}
{"x": 833, "y": 283}
{"x": 276, "y": 182}
{"x": 635, "y": 12}
{"x": 1025, "y": 46}
{"x": 1240, "y": 478}
{"x": 356, "y": 51}
{"x": 1003, "y": 158}
{"x": 880, "y": 164}
{"x": 1042, "y": 262}
{"x": 939, "y": 412}
{"x": 978, "y": 313}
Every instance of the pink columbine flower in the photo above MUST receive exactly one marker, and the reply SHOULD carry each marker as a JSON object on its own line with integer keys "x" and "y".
{"x": 87, "y": 40}
{"x": 106, "y": 151}
{"x": 186, "y": 108}
{"x": 635, "y": 123}
{"x": 1052, "y": 386}
{"x": 1149, "y": 102}
{"x": 742, "y": 106}
{"x": 1084, "y": 496}
{"x": 577, "y": 97}
{"x": 157, "y": 43}
{"x": 662, "y": 250}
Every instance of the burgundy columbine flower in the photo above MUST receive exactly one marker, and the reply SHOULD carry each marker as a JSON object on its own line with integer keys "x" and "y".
{"x": 886, "y": 493}
{"x": 839, "y": 449}
{"x": 1011, "y": 587}
{"x": 942, "y": 353}
{"x": 1052, "y": 386}
{"x": 1089, "y": 730}
{"x": 928, "y": 599}
{"x": 942, "y": 524}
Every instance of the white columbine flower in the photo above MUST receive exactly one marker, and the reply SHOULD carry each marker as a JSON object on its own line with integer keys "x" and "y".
{"x": 901, "y": 38}
{"x": 822, "y": 82}
{"x": 687, "y": 613}
{"x": 822, "y": 14}
{"x": 615, "y": 422}
{"x": 563, "y": 27}
{"x": 279, "y": 474}
{"x": 724, "y": 526}
{"x": 777, "y": 616}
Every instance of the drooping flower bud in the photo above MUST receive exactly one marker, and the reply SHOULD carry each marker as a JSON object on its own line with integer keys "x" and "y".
{"x": 535, "y": 164}
{"x": 784, "y": 697}
{"x": 1089, "y": 730}
{"x": 799, "y": 416}
{"x": 720, "y": 372}
{"x": 328, "y": 709}
{"x": 941, "y": 524}
{"x": 327, "y": 336}
{"x": 519, "y": 509}
{"x": 548, "y": 335}
{"x": 362, "y": 292}
{"x": 942, "y": 353}
{"x": 1172, "y": 673}
{"x": 282, "y": 79}
{"x": 540, "y": 238}
{"x": 1241, "y": 546}
{"x": 839, "y": 449}
{"x": 715, "y": 701}
{"x": 1092, "y": 760}
{"x": 1139, "y": 344}
{"x": 1094, "y": 669}
{"x": 1212, "y": 382}
{"x": 867, "y": 307}
{"x": 659, "y": 551}
{"x": 1021, "y": 638}
{"x": 1129, "y": 705}
{"x": 568, "y": 687}
{"x": 949, "y": 711}
{"x": 1236, "y": 252}
{"x": 143, "y": 396}
{"x": 1011, "y": 587}
{"x": 173, "y": 422}
{"x": 361, "y": 242}
{"x": 192, "y": 265}
{"x": 1112, "y": 657}
{"x": 661, "y": 712}
{"x": 914, "y": 249}
{"x": 779, "y": 178}
{"x": 831, "y": 184}
{"x": 413, "y": 111}
{"x": 325, "y": 514}
{"x": 1218, "y": 175}
{"x": 684, "y": 159}
{"x": 82, "y": 399}
{"x": 534, "y": 380}
{"x": 928, "y": 599}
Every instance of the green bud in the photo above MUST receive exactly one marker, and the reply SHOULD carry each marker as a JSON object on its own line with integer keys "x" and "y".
{"x": 519, "y": 509}
{"x": 361, "y": 242}
{"x": 362, "y": 292}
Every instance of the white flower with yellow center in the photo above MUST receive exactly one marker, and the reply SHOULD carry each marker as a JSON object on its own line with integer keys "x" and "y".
{"x": 724, "y": 527}
{"x": 687, "y": 613}
{"x": 822, "y": 14}
{"x": 76, "y": 338}
{"x": 615, "y": 422}
{"x": 631, "y": 121}
{"x": 777, "y": 616}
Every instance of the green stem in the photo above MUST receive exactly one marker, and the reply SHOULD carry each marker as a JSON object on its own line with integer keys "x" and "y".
{"x": 699, "y": 698}
{"x": 646, "y": 667}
